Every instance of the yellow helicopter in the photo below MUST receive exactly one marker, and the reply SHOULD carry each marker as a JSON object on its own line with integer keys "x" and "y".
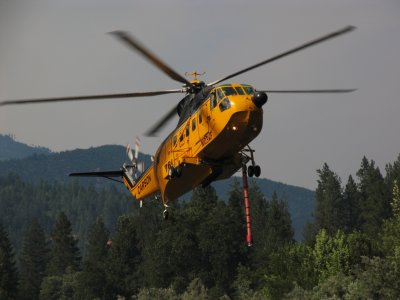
{"x": 217, "y": 122}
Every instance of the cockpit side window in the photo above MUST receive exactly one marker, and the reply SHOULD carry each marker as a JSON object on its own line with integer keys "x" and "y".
{"x": 220, "y": 95}
{"x": 213, "y": 100}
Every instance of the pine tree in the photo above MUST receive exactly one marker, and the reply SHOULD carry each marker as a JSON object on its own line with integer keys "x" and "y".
{"x": 279, "y": 223}
{"x": 124, "y": 259}
{"x": 374, "y": 198}
{"x": 222, "y": 247}
{"x": 64, "y": 251}
{"x": 33, "y": 260}
{"x": 350, "y": 210}
{"x": 396, "y": 200}
{"x": 392, "y": 173}
{"x": 328, "y": 198}
{"x": 204, "y": 198}
{"x": 93, "y": 276}
{"x": 8, "y": 272}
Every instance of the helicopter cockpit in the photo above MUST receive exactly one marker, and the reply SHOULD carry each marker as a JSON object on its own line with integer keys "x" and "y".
{"x": 220, "y": 93}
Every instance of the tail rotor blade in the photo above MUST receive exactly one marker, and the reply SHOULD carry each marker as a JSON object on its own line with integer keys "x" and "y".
{"x": 137, "y": 147}
{"x": 129, "y": 153}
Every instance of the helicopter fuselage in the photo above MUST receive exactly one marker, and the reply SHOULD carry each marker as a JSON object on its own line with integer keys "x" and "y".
{"x": 207, "y": 143}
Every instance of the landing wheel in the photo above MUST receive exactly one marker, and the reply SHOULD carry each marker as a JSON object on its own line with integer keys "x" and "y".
{"x": 257, "y": 171}
{"x": 165, "y": 214}
{"x": 250, "y": 171}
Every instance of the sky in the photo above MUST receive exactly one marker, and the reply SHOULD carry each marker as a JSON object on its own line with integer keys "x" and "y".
{"x": 53, "y": 48}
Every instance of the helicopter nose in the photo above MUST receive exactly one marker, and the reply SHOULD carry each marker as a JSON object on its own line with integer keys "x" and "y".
{"x": 259, "y": 99}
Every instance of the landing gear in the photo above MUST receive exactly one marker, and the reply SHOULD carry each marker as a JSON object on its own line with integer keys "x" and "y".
{"x": 171, "y": 172}
{"x": 250, "y": 171}
{"x": 165, "y": 214}
{"x": 178, "y": 171}
{"x": 174, "y": 172}
{"x": 253, "y": 169}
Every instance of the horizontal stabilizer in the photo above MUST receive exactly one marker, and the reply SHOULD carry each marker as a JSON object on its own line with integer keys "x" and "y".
{"x": 99, "y": 174}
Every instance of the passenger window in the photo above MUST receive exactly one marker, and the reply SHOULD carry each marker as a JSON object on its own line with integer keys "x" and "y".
{"x": 200, "y": 117}
{"x": 194, "y": 124}
{"x": 181, "y": 137}
{"x": 187, "y": 130}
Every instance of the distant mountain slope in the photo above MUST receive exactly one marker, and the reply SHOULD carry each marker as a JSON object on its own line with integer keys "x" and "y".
{"x": 11, "y": 149}
{"x": 56, "y": 167}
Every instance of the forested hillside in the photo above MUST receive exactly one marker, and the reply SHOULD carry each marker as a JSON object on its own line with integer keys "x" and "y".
{"x": 351, "y": 250}
{"x": 56, "y": 167}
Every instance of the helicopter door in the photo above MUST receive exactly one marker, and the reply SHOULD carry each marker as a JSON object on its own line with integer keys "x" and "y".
{"x": 215, "y": 97}
{"x": 203, "y": 122}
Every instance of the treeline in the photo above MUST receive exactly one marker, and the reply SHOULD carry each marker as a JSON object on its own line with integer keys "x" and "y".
{"x": 21, "y": 202}
{"x": 350, "y": 251}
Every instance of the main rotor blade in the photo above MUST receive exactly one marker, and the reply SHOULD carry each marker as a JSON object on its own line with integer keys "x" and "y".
{"x": 306, "y": 45}
{"x": 130, "y": 41}
{"x": 93, "y": 97}
{"x": 309, "y": 91}
{"x": 162, "y": 122}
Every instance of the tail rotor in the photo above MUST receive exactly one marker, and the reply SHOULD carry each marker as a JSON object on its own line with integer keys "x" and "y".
{"x": 136, "y": 167}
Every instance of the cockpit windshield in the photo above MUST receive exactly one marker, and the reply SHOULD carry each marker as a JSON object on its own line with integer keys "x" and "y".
{"x": 228, "y": 90}
{"x": 248, "y": 89}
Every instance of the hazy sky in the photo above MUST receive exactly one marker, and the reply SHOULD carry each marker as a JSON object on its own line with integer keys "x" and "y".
{"x": 60, "y": 48}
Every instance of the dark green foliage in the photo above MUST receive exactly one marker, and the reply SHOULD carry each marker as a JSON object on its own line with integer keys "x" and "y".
{"x": 374, "y": 198}
{"x": 64, "y": 251}
{"x": 350, "y": 208}
{"x": 55, "y": 167}
{"x": 8, "y": 272}
{"x": 93, "y": 278}
{"x": 279, "y": 223}
{"x": 200, "y": 253}
{"x": 51, "y": 288}
{"x": 33, "y": 261}
{"x": 21, "y": 202}
{"x": 393, "y": 173}
{"x": 124, "y": 259}
{"x": 329, "y": 201}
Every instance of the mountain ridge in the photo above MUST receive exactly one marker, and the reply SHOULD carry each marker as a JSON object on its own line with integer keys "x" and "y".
{"x": 12, "y": 149}
{"x": 55, "y": 167}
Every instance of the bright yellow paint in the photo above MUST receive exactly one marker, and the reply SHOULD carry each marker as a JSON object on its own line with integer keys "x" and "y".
{"x": 206, "y": 146}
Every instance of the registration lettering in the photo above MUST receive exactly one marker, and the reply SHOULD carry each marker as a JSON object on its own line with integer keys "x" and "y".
{"x": 142, "y": 185}
{"x": 206, "y": 138}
